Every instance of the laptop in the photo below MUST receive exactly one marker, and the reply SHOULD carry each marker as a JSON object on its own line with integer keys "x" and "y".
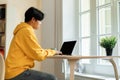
{"x": 67, "y": 47}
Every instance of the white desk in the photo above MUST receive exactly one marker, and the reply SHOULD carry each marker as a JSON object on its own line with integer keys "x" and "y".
{"x": 73, "y": 59}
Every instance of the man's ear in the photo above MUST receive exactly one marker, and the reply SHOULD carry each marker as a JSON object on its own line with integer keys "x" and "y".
{"x": 33, "y": 19}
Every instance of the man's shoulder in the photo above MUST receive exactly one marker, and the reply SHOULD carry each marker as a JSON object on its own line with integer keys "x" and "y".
{"x": 27, "y": 30}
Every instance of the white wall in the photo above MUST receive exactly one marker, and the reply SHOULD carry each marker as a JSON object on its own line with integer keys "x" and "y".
{"x": 70, "y": 20}
{"x": 58, "y": 26}
{"x": 48, "y": 32}
{"x": 51, "y": 34}
{"x": 48, "y": 24}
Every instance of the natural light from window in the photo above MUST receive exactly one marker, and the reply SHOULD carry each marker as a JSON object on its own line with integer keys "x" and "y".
{"x": 95, "y": 19}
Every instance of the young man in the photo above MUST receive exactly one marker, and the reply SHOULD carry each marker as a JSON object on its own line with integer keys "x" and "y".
{"x": 24, "y": 50}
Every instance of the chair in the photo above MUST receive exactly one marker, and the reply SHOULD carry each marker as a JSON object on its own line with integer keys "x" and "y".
{"x": 2, "y": 67}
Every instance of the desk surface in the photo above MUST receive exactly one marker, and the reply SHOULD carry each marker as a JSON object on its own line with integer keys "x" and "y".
{"x": 81, "y": 57}
{"x": 72, "y": 60}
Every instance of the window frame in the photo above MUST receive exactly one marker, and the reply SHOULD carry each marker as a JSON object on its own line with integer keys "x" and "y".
{"x": 94, "y": 22}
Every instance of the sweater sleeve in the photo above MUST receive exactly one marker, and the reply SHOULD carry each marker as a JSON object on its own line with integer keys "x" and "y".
{"x": 32, "y": 49}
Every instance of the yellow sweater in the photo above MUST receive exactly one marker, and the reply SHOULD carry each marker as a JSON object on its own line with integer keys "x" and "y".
{"x": 24, "y": 49}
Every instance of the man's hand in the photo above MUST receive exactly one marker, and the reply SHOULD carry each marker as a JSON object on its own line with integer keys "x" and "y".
{"x": 58, "y": 53}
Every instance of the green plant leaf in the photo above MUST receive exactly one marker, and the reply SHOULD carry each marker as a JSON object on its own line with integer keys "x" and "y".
{"x": 108, "y": 42}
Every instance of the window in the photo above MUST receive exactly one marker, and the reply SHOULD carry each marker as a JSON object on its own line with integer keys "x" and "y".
{"x": 84, "y": 36}
{"x": 91, "y": 20}
{"x": 97, "y": 19}
{"x": 104, "y": 26}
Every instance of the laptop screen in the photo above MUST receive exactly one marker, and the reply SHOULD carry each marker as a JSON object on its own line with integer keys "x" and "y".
{"x": 67, "y": 47}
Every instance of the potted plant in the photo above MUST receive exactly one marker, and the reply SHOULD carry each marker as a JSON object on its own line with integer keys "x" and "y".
{"x": 108, "y": 43}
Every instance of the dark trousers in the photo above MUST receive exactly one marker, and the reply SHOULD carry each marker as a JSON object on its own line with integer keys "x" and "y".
{"x": 34, "y": 75}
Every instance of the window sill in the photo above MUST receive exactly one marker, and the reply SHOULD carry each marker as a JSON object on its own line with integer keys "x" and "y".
{"x": 93, "y": 76}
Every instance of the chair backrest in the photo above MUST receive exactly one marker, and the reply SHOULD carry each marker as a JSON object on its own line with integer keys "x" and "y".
{"x": 2, "y": 68}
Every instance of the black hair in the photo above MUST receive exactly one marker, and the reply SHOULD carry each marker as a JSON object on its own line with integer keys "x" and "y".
{"x": 33, "y": 12}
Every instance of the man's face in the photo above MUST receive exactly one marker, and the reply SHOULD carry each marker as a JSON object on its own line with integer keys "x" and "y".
{"x": 36, "y": 24}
